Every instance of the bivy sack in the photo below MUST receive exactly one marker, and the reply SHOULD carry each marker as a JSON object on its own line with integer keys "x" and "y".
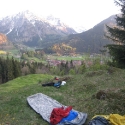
{"x": 44, "y": 105}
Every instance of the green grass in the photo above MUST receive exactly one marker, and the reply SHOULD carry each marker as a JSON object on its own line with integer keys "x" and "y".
{"x": 79, "y": 92}
{"x": 23, "y": 81}
{"x": 13, "y": 51}
{"x": 68, "y": 58}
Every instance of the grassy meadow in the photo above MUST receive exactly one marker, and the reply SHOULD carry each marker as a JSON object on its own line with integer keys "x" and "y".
{"x": 98, "y": 92}
{"x": 68, "y": 58}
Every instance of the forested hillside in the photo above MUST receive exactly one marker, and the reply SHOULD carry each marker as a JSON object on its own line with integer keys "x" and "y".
{"x": 93, "y": 40}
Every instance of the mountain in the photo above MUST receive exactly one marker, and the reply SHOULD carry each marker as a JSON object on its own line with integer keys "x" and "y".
{"x": 31, "y": 30}
{"x": 91, "y": 40}
{"x": 79, "y": 29}
{"x": 57, "y": 22}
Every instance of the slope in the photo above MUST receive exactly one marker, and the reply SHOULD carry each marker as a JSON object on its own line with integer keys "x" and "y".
{"x": 32, "y": 30}
{"x": 80, "y": 92}
{"x": 93, "y": 40}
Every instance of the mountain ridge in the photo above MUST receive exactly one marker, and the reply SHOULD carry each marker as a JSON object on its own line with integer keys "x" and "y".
{"x": 92, "y": 40}
{"x": 30, "y": 30}
{"x": 27, "y": 27}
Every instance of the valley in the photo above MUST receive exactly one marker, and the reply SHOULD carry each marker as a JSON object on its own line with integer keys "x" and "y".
{"x": 34, "y": 51}
{"x": 32, "y": 31}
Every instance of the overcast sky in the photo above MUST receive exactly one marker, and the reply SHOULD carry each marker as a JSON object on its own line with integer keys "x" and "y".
{"x": 86, "y": 13}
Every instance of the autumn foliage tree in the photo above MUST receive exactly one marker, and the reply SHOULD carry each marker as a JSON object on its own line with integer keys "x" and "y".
{"x": 3, "y": 38}
{"x": 117, "y": 35}
{"x": 63, "y": 49}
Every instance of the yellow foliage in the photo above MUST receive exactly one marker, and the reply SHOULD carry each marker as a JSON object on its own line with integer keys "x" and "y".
{"x": 63, "y": 48}
{"x": 2, "y": 52}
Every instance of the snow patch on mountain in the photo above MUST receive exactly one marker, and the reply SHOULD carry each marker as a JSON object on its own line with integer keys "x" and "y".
{"x": 54, "y": 21}
{"x": 11, "y": 28}
{"x": 80, "y": 29}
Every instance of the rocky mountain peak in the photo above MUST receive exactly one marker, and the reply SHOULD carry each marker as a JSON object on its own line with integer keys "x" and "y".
{"x": 28, "y": 27}
{"x": 54, "y": 21}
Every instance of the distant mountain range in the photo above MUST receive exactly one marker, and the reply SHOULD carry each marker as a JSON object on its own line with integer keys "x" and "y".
{"x": 27, "y": 28}
{"x": 92, "y": 40}
{"x": 57, "y": 22}
{"x": 30, "y": 30}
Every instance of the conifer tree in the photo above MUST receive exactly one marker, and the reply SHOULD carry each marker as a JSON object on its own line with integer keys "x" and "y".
{"x": 62, "y": 66}
{"x": 66, "y": 67}
{"x": 0, "y": 70}
{"x": 71, "y": 64}
{"x": 16, "y": 69}
{"x": 3, "y": 70}
{"x": 9, "y": 70}
{"x": 117, "y": 35}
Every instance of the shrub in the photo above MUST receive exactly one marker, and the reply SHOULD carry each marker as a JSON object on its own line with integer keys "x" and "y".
{"x": 72, "y": 71}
